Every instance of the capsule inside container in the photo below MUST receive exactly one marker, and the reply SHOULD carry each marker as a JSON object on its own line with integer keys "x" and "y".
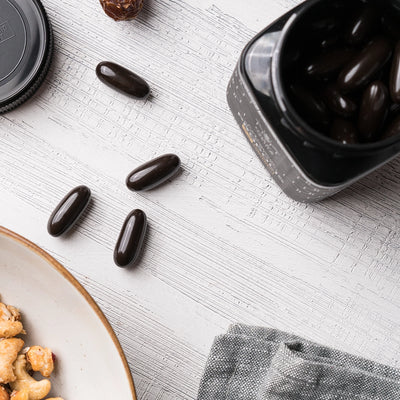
{"x": 339, "y": 92}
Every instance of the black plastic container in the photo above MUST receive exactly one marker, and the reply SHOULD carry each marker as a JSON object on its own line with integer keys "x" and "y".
{"x": 307, "y": 165}
{"x": 25, "y": 50}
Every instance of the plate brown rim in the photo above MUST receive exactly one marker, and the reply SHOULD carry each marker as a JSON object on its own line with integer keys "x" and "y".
{"x": 68, "y": 276}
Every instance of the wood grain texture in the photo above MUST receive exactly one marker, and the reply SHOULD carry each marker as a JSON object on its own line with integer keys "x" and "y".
{"x": 224, "y": 245}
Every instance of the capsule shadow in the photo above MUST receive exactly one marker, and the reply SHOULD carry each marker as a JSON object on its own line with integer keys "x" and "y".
{"x": 150, "y": 97}
{"x": 370, "y": 189}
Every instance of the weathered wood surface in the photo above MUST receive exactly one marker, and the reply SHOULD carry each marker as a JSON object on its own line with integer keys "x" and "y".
{"x": 225, "y": 245}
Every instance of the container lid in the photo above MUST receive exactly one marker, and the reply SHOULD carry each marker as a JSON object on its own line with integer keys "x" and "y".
{"x": 25, "y": 50}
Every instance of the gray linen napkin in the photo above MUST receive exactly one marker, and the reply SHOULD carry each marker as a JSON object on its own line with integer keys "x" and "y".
{"x": 253, "y": 363}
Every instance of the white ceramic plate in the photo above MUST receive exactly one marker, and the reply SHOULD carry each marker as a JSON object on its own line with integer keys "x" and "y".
{"x": 60, "y": 314}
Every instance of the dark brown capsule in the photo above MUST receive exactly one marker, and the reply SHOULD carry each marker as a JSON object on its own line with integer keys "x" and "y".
{"x": 131, "y": 238}
{"x": 327, "y": 64}
{"x": 339, "y": 104}
{"x": 364, "y": 66}
{"x": 394, "y": 84}
{"x": 363, "y": 25}
{"x": 326, "y": 24}
{"x": 328, "y": 41}
{"x": 153, "y": 173}
{"x": 311, "y": 106}
{"x": 373, "y": 110}
{"x": 68, "y": 211}
{"x": 391, "y": 26}
{"x": 394, "y": 109}
{"x": 344, "y": 131}
{"x": 122, "y": 80}
{"x": 393, "y": 129}
{"x": 292, "y": 56}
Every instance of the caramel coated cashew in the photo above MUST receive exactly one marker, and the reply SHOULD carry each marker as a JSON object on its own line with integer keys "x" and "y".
{"x": 9, "y": 349}
{"x": 20, "y": 395}
{"x": 10, "y": 324}
{"x": 41, "y": 360}
{"x": 37, "y": 390}
{"x": 3, "y": 393}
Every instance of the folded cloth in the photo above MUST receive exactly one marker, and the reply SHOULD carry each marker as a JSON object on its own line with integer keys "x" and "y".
{"x": 253, "y": 363}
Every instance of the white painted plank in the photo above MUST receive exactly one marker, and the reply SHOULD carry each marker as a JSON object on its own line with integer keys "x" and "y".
{"x": 225, "y": 245}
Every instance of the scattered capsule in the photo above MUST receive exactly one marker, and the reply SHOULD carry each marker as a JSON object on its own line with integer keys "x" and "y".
{"x": 344, "y": 131}
{"x": 68, "y": 211}
{"x": 365, "y": 65}
{"x": 373, "y": 110}
{"x": 327, "y": 64}
{"x": 339, "y": 104}
{"x": 153, "y": 173}
{"x": 395, "y": 75}
{"x": 122, "y": 80}
{"x": 363, "y": 25}
{"x": 131, "y": 238}
{"x": 311, "y": 105}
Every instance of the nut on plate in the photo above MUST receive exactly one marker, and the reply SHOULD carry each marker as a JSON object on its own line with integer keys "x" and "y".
{"x": 36, "y": 390}
{"x": 10, "y": 324}
{"x": 4, "y": 393}
{"x": 19, "y": 395}
{"x": 122, "y": 10}
{"x": 41, "y": 360}
{"x": 9, "y": 349}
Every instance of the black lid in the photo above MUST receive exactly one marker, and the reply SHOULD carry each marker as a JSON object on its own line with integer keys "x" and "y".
{"x": 25, "y": 50}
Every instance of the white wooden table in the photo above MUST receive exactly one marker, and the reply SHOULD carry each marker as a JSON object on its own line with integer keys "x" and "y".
{"x": 224, "y": 245}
